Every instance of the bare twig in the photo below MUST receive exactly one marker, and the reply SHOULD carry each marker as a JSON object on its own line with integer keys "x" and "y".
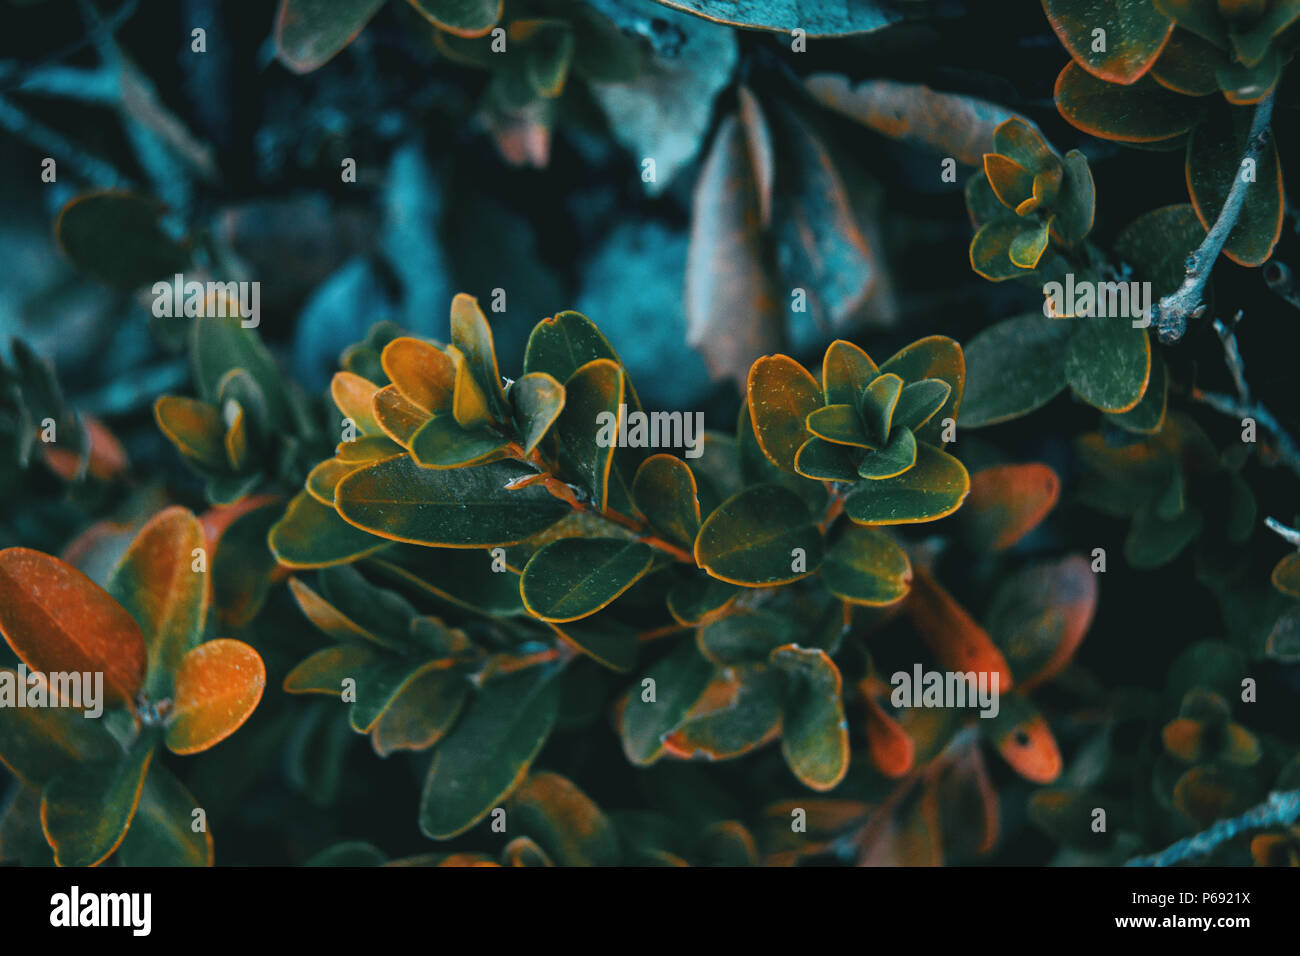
{"x": 1173, "y": 311}
{"x": 1280, "y": 810}
{"x": 1242, "y": 406}
{"x": 1288, "y": 534}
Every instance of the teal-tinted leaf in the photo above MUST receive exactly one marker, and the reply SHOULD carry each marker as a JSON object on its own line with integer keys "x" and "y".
{"x": 1014, "y": 367}
{"x": 879, "y": 399}
{"x": 489, "y": 751}
{"x": 87, "y": 809}
{"x": 841, "y": 424}
{"x": 575, "y": 577}
{"x": 782, "y": 16}
{"x": 422, "y": 713}
{"x": 39, "y": 743}
{"x": 866, "y": 566}
{"x": 699, "y": 596}
{"x": 464, "y": 18}
{"x": 308, "y": 33}
{"x": 846, "y": 371}
{"x": 1028, "y": 246}
{"x": 452, "y": 576}
{"x": 538, "y": 399}
{"x": 814, "y": 733}
{"x": 1135, "y": 32}
{"x": 935, "y": 356}
{"x": 603, "y": 638}
{"x": 748, "y": 716}
{"x": 116, "y": 238}
{"x": 1108, "y": 363}
{"x": 218, "y": 345}
{"x": 162, "y": 831}
{"x": 1145, "y": 112}
{"x": 310, "y": 535}
{"x": 747, "y": 636}
{"x": 758, "y": 537}
{"x": 826, "y": 461}
{"x": 1148, "y": 416}
{"x": 564, "y": 821}
{"x": 932, "y": 488}
{"x": 892, "y": 460}
{"x": 442, "y": 443}
{"x": 1157, "y": 244}
{"x": 588, "y": 427}
{"x": 1075, "y": 204}
{"x": 678, "y": 682}
{"x": 920, "y": 401}
{"x": 457, "y": 508}
{"x": 665, "y": 492}
{"x": 379, "y": 683}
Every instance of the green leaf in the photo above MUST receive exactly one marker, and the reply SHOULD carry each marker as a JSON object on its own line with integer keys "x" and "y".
{"x": 562, "y": 344}
{"x": 575, "y": 577}
{"x": 920, "y": 401}
{"x": 757, "y": 536}
{"x": 1075, "y": 205}
{"x": 195, "y": 428}
{"x": 747, "y": 636}
{"x": 243, "y": 565}
{"x": 1154, "y": 541}
{"x": 1014, "y": 367}
{"x": 866, "y": 566}
{"x": 935, "y": 356}
{"x": 39, "y": 743}
{"x": 1108, "y": 363}
{"x": 1145, "y": 112}
{"x": 814, "y": 733}
{"x": 564, "y": 821}
{"x": 538, "y": 399}
{"x": 116, "y": 238}
{"x": 892, "y": 460}
{"x": 932, "y": 488}
{"x": 587, "y": 429}
{"x": 86, "y": 810}
{"x": 1157, "y": 245}
{"x": 442, "y": 443}
{"x": 161, "y": 832}
{"x": 679, "y": 680}
{"x": 1148, "y": 416}
{"x": 219, "y": 345}
{"x": 379, "y": 684}
{"x": 423, "y": 712}
{"x": 1028, "y": 245}
{"x": 308, "y": 33}
{"x": 699, "y": 596}
{"x": 1188, "y": 64}
{"x": 846, "y": 371}
{"x": 825, "y": 461}
{"x": 449, "y": 575}
{"x": 454, "y": 508}
{"x": 780, "y": 397}
{"x": 990, "y": 250}
{"x": 841, "y": 424}
{"x": 748, "y": 717}
{"x": 781, "y": 16}
{"x": 157, "y": 584}
{"x": 665, "y": 492}
{"x": 1214, "y": 153}
{"x": 324, "y": 671}
{"x": 1135, "y": 34}
{"x": 470, "y": 334}
{"x": 604, "y": 639}
{"x": 464, "y": 18}
{"x": 489, "y": 751}
{"x": 310, "y": 535}
{"x": 879, "y": 399}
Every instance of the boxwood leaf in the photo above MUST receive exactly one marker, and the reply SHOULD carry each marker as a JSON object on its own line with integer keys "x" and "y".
{"x": 562, "y": 344}
{"x": 679, "y": 679}
{"x": 422, "y": 713}
{"x": 593, "y": 403}
{"x": 1033, "y": 347}
{"x": 935, "y": 356}
{"x": 575, "y": 577}
{"x": 424, "y": 373}
{"x": 781, "y": 394}
{"x": 780, "y": 15}
{"x": 1148, "y": 416}
{"x": 1144, "y": 112}
{"x": 891, "y": 460}
{"x": 1136, "y": 33}
{"x": 156, "y": 583}
{"x": 826, "y": 461}
{"x": 470, "y": 333}
{"x": 308, "y": 33}
{"x": 87, "y": 810}
{"x": 1007, "y": 502}
{"x": 603, "y": 638}
{"x": 1028, "y": 245}
{"x": 39, "y": 743}
{"x": 846, "y": 371}
{"x": 879, "y": 399}
{"x": 462, "y": 18}
{"x": 1286, "y": 575}
{"x": 1039, "y": 616}
{"x": 1076, "y": 204}
{"x": 469, "y": 402}
{"x": 311, "y": 535}
{"x": 442, "y": 443}
{"x": 538, "y": 399}
{"x": 752, "y": 537}
{"x": 161, "y": 833}
{"x": 564, "y": 821}
{"x": 218, "y": 345}
{"x": 217, "y": 687}
{"x": 699, "y": 596}
{"x": 665, "y": 492}
{"x": 841, "y": 424}
{"x": 116, "y": 238}
{"x": 920, "y": 401}
{"x": 1108, "y": 363}
{"x": 195, "y": 428}
{"x": 324, "y": 671}
{"x": 990, "y": 250}
{"x": 866, "y": 566}
{"x": 379, "y": 683}
{"x": 740, "y": 712}
{"x": 1214, "y": 153}
{"x": 354, "y": 397}
{"x": 448, "y": 576}
{"x": 58, "y": 620}
{"x": 932, "y": 488}
{"x": 814, "y": 733}
{"x": 489, "y": 751}
{"x": 453, "y": 508}
{"x": 747, "y": 636}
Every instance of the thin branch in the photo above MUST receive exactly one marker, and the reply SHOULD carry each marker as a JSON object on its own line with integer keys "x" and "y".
{"x": 1280, "y": 810}
{"x": 1173, "y": 311}
{"x": 1241, "y": 407}
{"x": 1288, "y": 534}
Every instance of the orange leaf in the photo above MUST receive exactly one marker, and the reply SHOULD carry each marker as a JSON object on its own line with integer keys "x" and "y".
{"x": 892, "y": 750}
{"x": 1031, "y": 750}
{"x": 57, "y": 619}
{"x": 1006, "y": 502}
{"x": 218, "y": 685}
{"x": 951, "y": 634}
